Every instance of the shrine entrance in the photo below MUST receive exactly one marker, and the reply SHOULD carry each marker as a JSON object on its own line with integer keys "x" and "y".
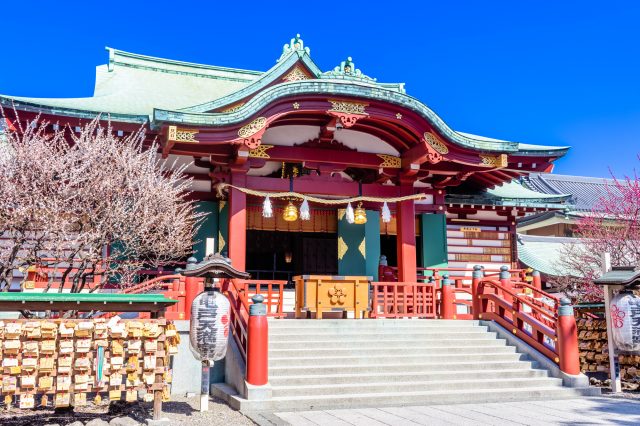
{"x": 280, "y": 255}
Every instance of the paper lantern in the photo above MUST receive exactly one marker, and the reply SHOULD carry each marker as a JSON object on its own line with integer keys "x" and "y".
{"x": 625, "y": 321}
{"x": 209, "y": 332}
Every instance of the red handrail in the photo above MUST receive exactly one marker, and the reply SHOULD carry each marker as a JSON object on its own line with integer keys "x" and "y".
{"x": 538, "y": 328}
{"x": 239, "y": 313}
{"x": 400, "y": 300}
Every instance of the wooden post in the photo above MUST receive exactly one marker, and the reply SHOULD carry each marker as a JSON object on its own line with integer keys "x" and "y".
{"x": 447, "y": 305}
{"x": 157, "y": 393}
{"x": 476, "y": 306}
{"x": 258, "y": 343}
{"x": 537, "y": 280}
{"x": 568, "y": 353}
{"x": 614, "y": 367}
{"x": 505, "y": 280}
{"x": 191, "y": 289}
{"x": 406, "y": 241}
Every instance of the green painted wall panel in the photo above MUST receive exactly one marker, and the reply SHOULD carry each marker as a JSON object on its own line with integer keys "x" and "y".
{"x": 208, "y": 227}
{"x": 434, "y": 240}
{"x": 223, "y": 227}
{"x": 358, "y": 239}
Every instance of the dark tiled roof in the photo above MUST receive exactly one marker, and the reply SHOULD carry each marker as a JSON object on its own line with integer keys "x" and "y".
{"x": 586, "y": 192}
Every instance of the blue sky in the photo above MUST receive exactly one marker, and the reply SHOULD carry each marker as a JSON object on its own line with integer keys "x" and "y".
{"x": 546, "y": 72}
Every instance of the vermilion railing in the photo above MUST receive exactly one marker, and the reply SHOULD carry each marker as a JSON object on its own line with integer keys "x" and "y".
{"x": 272, "y": 290}
{"x": 239, "y": 313}
{"x": 399, "y": 300}
{"x": 540, "y": 326}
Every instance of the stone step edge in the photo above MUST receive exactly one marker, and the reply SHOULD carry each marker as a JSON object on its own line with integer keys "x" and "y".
{"x": 414, "y": 373}
{"x": 551, "y": 381}
{"x": 413, "y": 364}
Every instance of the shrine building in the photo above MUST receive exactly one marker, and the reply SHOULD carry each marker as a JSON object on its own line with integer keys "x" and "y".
{"x": 311, "y": 171}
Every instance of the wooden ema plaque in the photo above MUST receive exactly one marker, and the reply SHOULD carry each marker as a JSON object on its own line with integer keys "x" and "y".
{"x": 324, "y": 293}
{"x": 61, "y": 362}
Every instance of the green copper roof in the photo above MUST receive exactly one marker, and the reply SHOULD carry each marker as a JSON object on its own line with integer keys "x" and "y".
{"x": 136, "y": 88}
{"x": 543, "y": 253}
{"x": 511, "y": 194}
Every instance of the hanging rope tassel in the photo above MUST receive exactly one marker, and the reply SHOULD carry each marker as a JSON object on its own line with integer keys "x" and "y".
{"x": 386, "y": 213}
{"x": 349, "y": 214}
{"x": 267, "y": 209}
{"x": 305, "y": 213}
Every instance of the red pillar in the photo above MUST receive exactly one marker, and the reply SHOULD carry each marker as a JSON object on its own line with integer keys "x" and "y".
{"x": 447, "y": 306}
{"x": 238, "y": 224}
{"x": 258, "y": 343}
{"x": 406, "y": 240}
{"x": 478, "y": 274}
{"x": 537, "y": 280}
{"x": 567, "y": 331}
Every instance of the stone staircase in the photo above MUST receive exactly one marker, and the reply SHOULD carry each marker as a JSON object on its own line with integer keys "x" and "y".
{"x": 363, "y": 363}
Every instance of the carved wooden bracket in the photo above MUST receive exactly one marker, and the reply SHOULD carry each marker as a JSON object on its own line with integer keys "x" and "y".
{"x": 251, "y": 134}
{"x": 347, "y": 120}
{"x": 433, "y": 156}
{"x": 347, "y": 112}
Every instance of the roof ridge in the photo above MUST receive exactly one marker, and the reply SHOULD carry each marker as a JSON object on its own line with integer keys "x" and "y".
{"x": 114, "y": 53}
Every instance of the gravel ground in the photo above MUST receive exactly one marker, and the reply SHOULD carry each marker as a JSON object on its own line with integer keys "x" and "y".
{"x": 180, "y": 410}
{"x": 184, "y": 411}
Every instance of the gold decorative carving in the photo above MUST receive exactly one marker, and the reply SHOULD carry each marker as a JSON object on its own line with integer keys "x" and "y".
{"x": 363, "y": 248}
{"x": 342, "y": 248}
{"x": 501, "y": 160}
{"x": 390, "y": 161}
{"x": 221, "y": 242}
{"x": 182, "y": 135}
{"x": 296, "y": 74}
{"x": 337, "y": 294}
{"x": 260, "y": 152}
{"x": 399, "y": 116}
{"x": 295, "y": 105}
{"x": 233, "y": 108}
{"x": 252, "y": 128}
{"x": 348, "y": 107}
{"x": 436, "y": 143}
{"x": 341, "y": 213}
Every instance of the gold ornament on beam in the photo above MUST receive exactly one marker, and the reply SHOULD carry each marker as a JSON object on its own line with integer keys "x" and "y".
{"x": 260, "y": 152}
{"x": 436, "y": 143}
{"x": 501, "y": 160}
{"x": 182, "y": 135}
{"x": 390, "y": 161}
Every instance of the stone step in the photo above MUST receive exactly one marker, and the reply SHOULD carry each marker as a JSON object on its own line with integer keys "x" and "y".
{"x": 386, "y": 343}
{"x": 349, "y": 337}
{"x": 373, "y": 351}
{"x": 382, "y": 360}
{"x": 403, "y": 376}
{"x": 420, "y": 397}
{"x": 398, "y": 367}
{"x": 393, "y": 387}
{"x": 384, "y": 323}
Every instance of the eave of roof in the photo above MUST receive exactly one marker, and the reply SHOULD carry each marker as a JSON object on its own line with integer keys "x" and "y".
{"x": 511, "y": 194}
{"x": 543, "y": 253}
